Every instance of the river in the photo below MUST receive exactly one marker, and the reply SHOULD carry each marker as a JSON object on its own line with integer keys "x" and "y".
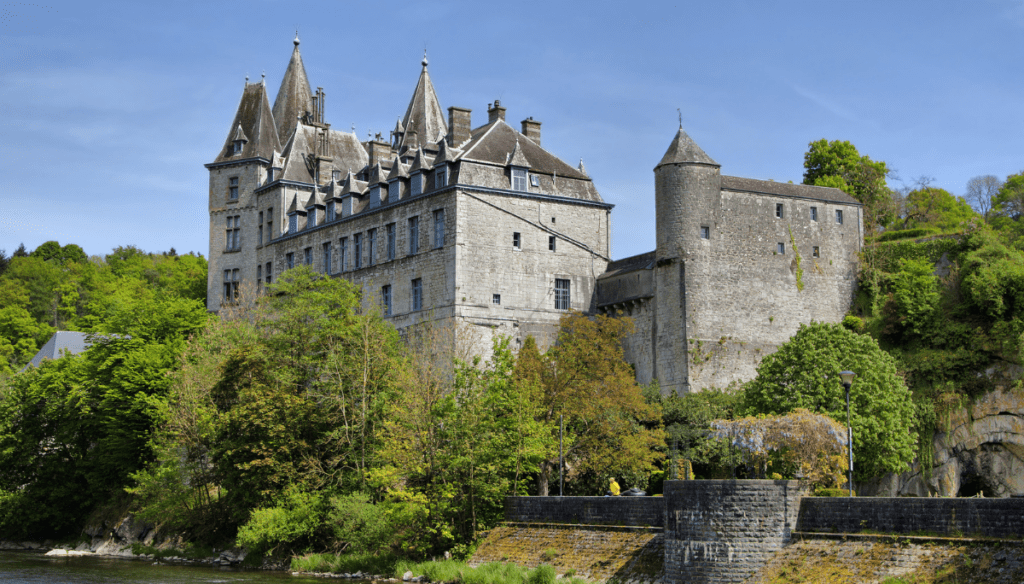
{"x": 35, "y": 568}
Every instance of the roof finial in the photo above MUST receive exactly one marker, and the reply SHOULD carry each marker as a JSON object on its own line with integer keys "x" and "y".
{"x": 680, "y": 117}
{"x": 247, "y": 79}
{"x": 296, "y": 41}
{"x": 424, "y": 61}
{"x": 263, "y": 74}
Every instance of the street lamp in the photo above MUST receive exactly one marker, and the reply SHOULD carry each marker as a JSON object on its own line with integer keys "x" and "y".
{"x": 847, "y": 377}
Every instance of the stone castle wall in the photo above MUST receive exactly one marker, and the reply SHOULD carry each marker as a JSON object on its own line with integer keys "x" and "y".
{"x": 250, "y": 175}
{"x": 908, "y": 515}
{"x": 633, "y": 511}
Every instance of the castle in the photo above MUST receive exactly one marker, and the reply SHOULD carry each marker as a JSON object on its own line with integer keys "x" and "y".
{"x": 484, "y": 226}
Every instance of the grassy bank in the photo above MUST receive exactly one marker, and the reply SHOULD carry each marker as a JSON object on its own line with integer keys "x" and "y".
{"x": 434, "y": 571}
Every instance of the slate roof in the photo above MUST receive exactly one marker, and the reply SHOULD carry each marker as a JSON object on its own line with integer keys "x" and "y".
{"x": 518, "y": 158}
{"x": 495, "y": 141}
{"x": 294, "y": 98}
{"x": 421, "y": 161}
{"x": 683, "y": 150}
{"x": 644, "y": 261}
{"x": 424, "y": 115}
{"x": 256, "y": 122}
{"x": 753, "y": 185}
{"x": 398, "y": 170}
{"x": 70, "y": 341}
{"x": 346, "y": 150}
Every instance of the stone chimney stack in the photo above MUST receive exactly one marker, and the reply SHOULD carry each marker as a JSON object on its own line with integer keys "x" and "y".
{"x": 496, "y": 112}
{"x": 531, "y": 129}
{"x": 459, "y": 125}
{"x": 379, "y": 151}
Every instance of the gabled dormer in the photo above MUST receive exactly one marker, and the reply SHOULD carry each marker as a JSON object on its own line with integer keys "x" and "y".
{"x": 519, "y": 169}
{"x": 296, "y": 215}
{"x": 315, "y": 210}
{"x": 377, "y": 181}
{"x": 238, "y": 141}
{"x": 351, "y": 191}
{"x": 419, "y": 170}
{"x": 398, "y": 175}
{"x": 446, "y": 156}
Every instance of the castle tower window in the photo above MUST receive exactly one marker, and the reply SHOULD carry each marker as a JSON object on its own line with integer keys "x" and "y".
{"x": 233, "y": 188}
{"x": 496, "y": 299}
{"x": 270, "y": 223}
{"x": 270, "y": 175}
{"x": 327, "y": 257}
{"x": 519, "y": 179}
{"x": 372, "y": 247}
{"x": 814, "y": 213}
{"x": 778, "y": 210}
{"x": 270, "y": 270}
{"x": 414, "y": 235}
{"x": 417, "y": 294}
{"x": 816, "y": 252}
{"x": 517, "y": 241}
{"x": 780, "y": 248}
{"x": 259, "y": 230}
{"x": 290, "y": 260}
{"x": 259, "y": 278}
{"x": 227, "y": 285}
{"x": 233, "y": 239}
{"x": 839, "y": 216}
{"x": 562, "y": 299}
{"x": 343, "y": 256}
{"x": 391, "y": 241}
{"x": 440, "y": 177}
{"x": 705, "y": 232}
{"x": 416, "y": 184}
{"x": 307, "y": 256}
{"x": 551, "y": 242}
{"x": 438, "y": 228}
{"x": 385, "y": 299}
{"x": 311, "y": 217}
{"x": 357, "y": 253}
{"x": 331, "y": 213}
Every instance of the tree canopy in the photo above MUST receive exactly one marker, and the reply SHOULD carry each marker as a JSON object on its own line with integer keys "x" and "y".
{"x": 838, "y": 164}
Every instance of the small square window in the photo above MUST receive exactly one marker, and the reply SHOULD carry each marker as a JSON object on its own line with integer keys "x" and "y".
{"x": 534, "y": 180}
{"x": 552, "y": 219}
{"x": 551, "y": 243}
{"x": 517, "y": 242}
{"x": 815, "y": 252}
{"x": 778, "y": 210}
{"x": 496, "y": 299}
{"x": 781, "y": 248}
{"x": 705, "y": 232}
{"x": 814, "y": 213}
{"x": 839, "y": 216}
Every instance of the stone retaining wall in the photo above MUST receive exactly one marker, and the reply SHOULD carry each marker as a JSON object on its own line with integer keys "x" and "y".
{"x": 636, "y": 511}
{"x": 906, "y": 515}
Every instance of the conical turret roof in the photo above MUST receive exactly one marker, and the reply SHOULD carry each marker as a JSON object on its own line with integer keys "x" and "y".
{"x": 294, "y": 98}
{"x": 253, "y": 123}
{"x": 683, "y": 150}
{"x": 424, "y": 115}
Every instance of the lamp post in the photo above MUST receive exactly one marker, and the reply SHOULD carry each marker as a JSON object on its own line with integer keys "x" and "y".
{"x": 847, "y": 377}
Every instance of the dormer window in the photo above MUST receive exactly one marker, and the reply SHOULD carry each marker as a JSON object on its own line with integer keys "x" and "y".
{"x": 236, "y": 146}
{"x": 535, "y": 180}
{"x": 311, "y": 217}
{"x": 293, "y": 222}
{"x": 331, "y": 212}
{"x": 440, "y": 177}
{"x": 519, "y": 179}
{"x": 416, "y": 184}
{"x": 336, "y": 175}
{"x": 393, "y": 188}
{"x": 270, "y": 174}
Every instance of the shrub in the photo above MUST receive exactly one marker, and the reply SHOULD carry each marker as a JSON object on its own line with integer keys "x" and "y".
{"x": 542, "y": 574}
{"x": 360, "y": 523}
{"x": 296, "y": 522}
{"x": 832, "y": 492}
{"x": 853, "y": 323}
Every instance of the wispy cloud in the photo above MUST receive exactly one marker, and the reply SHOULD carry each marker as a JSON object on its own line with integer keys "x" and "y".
{"x": 827, "y": 104}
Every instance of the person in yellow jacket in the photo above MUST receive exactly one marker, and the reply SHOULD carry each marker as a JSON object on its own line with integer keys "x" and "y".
{"x": 613, "y": 488}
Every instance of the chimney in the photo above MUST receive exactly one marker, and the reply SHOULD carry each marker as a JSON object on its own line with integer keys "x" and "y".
{"x": 459, "y": 125}
{"x": 531, "y": 129}
{"x": 496, "y": 112}
{"x": 379, "y": 151}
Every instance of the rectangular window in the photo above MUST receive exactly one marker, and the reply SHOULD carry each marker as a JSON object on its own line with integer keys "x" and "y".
{"x": 233, "y": 188}
{"x": 519, "y": 179}
{"x": 814, "y": 213}
{"x": 438, "y": 228}
{"x": 357, "y": 253}
{"x": 416, "y": 184}
{"x": 385, "y": 299}
{"x": 562, "y": 299}
{"x": 414, "y": 235}
{"x": 496, "y": 299}
{"x": 816, "y": 252}
{"x": 517, "y": 241}
{"x": 440, "y": 177}
{"x": 372, "y": 247}
{"x": 327, "y": 258}
{"x": 307, "y": 256}
{"x": 233, "y": 239}
{"x": 227, "y": 285}
{"x": 535, "y": 180}
{"x": 270, "y": 224}
{"x": 551, "y": 243}
{"x": 705, "y": 232}
{"x": 270, "y": 175}
{"x": 259, "y": 278}
{"x": 343, "y": 258}
{"x": 839, "y": 216}
{"x": 235, "y": 280}
{"x": 330, "y": 211}
{"x": 290, "y": 260}
{"x": 293, "y": 223}
{"x": 270, "y": 270}
{"x": 393, "y": 188}
{"x": 417, "y": 294}
{"x": 778, "y": 210}
{"x": 259, "y": 231}
{"x": 391, "y": 241}
{"x": 780, "y": 248}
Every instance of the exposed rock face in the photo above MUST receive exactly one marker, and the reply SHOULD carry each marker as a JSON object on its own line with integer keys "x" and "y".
{"x": 983, "y": 452}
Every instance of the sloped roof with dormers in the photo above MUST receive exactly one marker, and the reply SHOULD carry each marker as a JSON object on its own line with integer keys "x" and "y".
{"x": 345, "y": 149}
{"x": 254, "y": 122}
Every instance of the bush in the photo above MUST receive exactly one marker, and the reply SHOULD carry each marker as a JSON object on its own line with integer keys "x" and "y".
{"x": 853, "y": 323}
{"x": 832, "y": 492}
{"x": 542, "y": 574}
{"x": 359, "y": 523}
{"x": 295, "y": 523}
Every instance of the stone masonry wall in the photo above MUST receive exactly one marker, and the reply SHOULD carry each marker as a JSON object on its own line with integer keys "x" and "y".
{"x": 634, "y": 511}
{"x": 724, "y": 531}
{"x": 906, "y": 515}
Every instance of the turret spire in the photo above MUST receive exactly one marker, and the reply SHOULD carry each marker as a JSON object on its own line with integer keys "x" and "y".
{"x": 294, "y": 98}
{"x": 424, "y": 116}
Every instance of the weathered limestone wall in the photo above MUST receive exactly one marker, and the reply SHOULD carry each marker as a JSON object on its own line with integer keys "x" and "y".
{"x": 724, "y": 531}
{"x": 250, "y": 176}
{"x": 906, "y": 515}
{"x": 635, "y": 511}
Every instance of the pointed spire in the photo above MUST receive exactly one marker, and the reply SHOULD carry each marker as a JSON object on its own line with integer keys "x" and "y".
{"x": 445, "y": 152}
{"x": 353, "y": 186}
{"x": 424, "y": 115}
{"x": 376, "y": 175}
{"x": 398, "y": 170}
{"x": 683, "y": 150}
{"x": 253, "y": 125}
{"x": 518, "y": 158}
{"x": 419, "y": 162}
{"x": 294, "y": 98}
{"x": 582, "y": 168}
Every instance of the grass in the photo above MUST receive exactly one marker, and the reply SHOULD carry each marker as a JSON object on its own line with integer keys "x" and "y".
{"x": 435, "y": 571}
{"x": 348, "y": 563}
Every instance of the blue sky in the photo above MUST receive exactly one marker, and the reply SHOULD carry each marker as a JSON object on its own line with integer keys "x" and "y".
{"x": 109, "y": 110}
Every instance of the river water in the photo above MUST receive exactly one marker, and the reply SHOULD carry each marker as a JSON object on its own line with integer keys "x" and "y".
{"x": 35, "y": 568}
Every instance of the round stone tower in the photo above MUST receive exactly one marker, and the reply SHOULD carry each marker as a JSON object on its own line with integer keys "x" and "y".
{"x": 687, "y": 188}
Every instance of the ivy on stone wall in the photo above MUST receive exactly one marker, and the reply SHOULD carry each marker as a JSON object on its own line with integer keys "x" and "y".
{"x": 799, "y": 270}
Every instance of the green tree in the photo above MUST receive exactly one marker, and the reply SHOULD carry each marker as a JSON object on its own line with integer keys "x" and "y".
{"x": 1009, "y": 201}
{"x": 934, "y": 207}
{"x": 804, "y": 373}
{"x": 52, "y": 251}
{"x": 838, "y": 164}
{"x": 915, "y": 293}
{"x": 687, "y": 418}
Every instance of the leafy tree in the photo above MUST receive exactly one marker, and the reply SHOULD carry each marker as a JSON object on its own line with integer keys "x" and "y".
{"x": 981, "y": 193}
{"x": 21, "y": 252}
{"x": 930, "y": 206}
{"x": 804, "y": 373}
{"x": 52, "y": 251}
{"x": 4, "y": 261}
{"x": 838, "y": 164}
{"x": 687, "y": 418}
{"x": 1009, "y": 201}
{"x": 915, "y": 297}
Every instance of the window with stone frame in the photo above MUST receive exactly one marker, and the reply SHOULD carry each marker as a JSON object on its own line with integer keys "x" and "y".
{"x": 231, "y": 281}
{"x": 816, "y": 252}
{"x": 495, "y": 298}
{"x": 259, "y": 277}
{"x": 440, "y": 177}
{"x": 394, "y": 187}
{"x": 331, "y": 215}
{"x": 326, "y": 268}
{"x": 234, "y": 237}
{"x": 270, "y": 224}
{"x": 233, "y": 188}
{"x": 269, "y": 272}
{"x": 293, "y": 222}
{"x": 839, "y": 216}
{"x": 312, "y": 217}
{"x": 343, "y": 254}
{"x": 416, "y": 184}
{"x": 552, "y": 243}
{"x": 417, "y": 294}
{"x": 438, "y": 228}
{"x": 391, "y": 241}
{"x": 371, "y": 246}
{"x": 517, "y": 240}
{"x": 307, "y": 256}
{"x": 814, "y": 213}
{"x": 779, "y": 211}
{"x": 563, "y": 300}
{"x": 385, "y": 299}
{"x": 705, "y": 232}
{"x": 357, "y": 250}
{"x": 780, "y": 248}
{"x": 289, "y": 260}
{"x": 519, "y": 179}
{"x": 414, "y": 235}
